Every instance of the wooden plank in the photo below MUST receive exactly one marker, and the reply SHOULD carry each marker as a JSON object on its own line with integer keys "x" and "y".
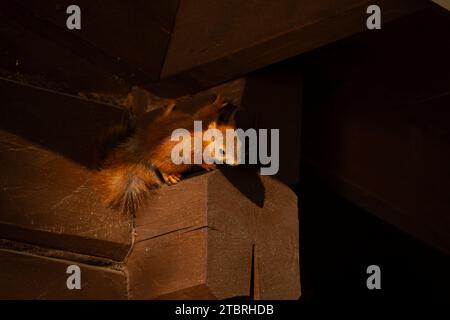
{"x": 443, "y": 3}
{"x": 268, "y": 215}
{"x": 207, "y": 263}
{"x": 224, "y": 43}
{"x": 202, "y": 244}
{"x": 50, "y": 141}
{"x": 167, "y": 264}
{"x": 210, "y": 41}
{"x": 31, "y": 55}
{"x": 276, "y": 256}
{"x": 379, "y": 135}
{"x": 27, "y": 276}
{"x": 69, "y": 125}
{"x": 45, "y": 199}
{"x": 130, "y": 39}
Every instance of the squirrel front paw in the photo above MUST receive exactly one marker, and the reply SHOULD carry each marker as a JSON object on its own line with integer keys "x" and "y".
{"x": 171, "y": 178}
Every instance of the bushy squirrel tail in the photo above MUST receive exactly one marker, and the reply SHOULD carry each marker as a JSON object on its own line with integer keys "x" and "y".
{"x": 124, "y": 187}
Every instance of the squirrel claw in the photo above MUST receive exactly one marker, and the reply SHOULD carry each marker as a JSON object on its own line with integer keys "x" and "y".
{"x": 171, "y": 179}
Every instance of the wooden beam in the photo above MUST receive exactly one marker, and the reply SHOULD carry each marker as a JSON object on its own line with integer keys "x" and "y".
{"x": 218, "y": 239}
{"x": 379, "y": 136}
{"x": 28, "y": 52}
{"x": 205, "y": 241}
{"x": 70, "y": 125}
{"x": 127, "y": 38}
{"x": 174, "y": 47}
{"x": 28, "y": 276}
{"x": 443, "y": 3}
{"x": 48, "y": 142}
{"x": 45, "y": 199}
{"x": 214, "y": 41}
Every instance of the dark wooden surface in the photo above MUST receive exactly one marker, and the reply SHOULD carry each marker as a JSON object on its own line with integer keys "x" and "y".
{"x": 173, "y": 47}
{"x": 45, "y": 199}
{"x": 376, "y": 123}
{"x": 129, "y": 39}
{"x": 213, "y": 42}
{"x": 66, "y": 124}
{"x": 237, "y": 238}
{"x": 213, "y": 235}
{"x": 48, "y": 142}
{"x": 27, "y": 276}
{"x": 27, "y": 51}
{"x": 209, "y": 264}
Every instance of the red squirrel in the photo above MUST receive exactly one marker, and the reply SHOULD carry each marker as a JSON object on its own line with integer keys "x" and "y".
{"x": 143, "y": 161}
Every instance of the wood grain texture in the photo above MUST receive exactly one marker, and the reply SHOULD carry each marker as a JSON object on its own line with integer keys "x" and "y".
{"x": 28, "y": 51}
{"x": 45, "y": 199}
{"x": 267, "y": 215}
{"x": 277, "y": 245}
{"x": 213, "y": 42}
{"x": 26, "y": 276}
{"x": 175, "y": 46}
{"x": 212, "y": 224}
{"x": 69, "y": 125}
{"x": 443, "y": 3}
{"x": 128, "y": 38}
{"x": 48, "y": 141}
{"x": 202, "y": 261}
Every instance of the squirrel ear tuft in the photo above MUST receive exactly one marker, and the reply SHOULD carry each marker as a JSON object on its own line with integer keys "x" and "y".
{"x": 233, "y": 114}
{"x": 226, "y": 114}
{"x": 212, "y": 125}
{"x": 168, "y": 107}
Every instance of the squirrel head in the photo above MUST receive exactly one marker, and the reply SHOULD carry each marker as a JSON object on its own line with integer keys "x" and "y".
{"x": 221, "y": 143}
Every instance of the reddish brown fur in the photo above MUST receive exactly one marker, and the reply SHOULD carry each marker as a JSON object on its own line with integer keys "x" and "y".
{"x": 143, "y": 162}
